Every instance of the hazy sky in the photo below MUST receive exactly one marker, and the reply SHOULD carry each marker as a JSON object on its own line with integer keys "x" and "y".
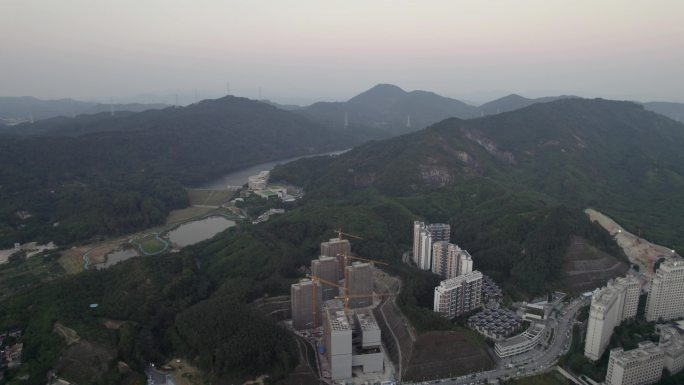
{"x": 306, "y": 50}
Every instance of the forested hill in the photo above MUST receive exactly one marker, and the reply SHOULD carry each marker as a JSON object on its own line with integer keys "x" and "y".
{"x": 106, "y": 174}
{"x": 614, "y": 156}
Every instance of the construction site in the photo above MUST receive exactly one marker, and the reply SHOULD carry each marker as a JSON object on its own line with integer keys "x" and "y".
{"x": 333, "y": 309}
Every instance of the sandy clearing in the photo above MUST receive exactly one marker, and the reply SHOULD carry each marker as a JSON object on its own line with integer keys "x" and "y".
{"x": 639, "y": 251}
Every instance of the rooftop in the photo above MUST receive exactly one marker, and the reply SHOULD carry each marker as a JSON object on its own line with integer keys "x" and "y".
{"x": 338, "y": 320}
{"x": 644, "y": 352}
{"x": 366, "y": 320}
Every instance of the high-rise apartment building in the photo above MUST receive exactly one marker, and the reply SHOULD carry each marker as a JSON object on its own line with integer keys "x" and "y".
{"x": 459, "y": 295}
{"x": 609, "y": 307}
{"x": 666, "y": 298}
{"x": 449, "y": 260}
{"x": 640, "y": 366}
{"x": 335, "y": 248}
{"x": 306, "y": 302}
{"x": 424, "y": 236}
{"x": 441, "y": 232}
{"x": 360, "y": 284}
{"x": 326, "y": 268}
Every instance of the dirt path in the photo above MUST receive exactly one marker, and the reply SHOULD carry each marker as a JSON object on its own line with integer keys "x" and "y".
{"x": 639, "y": 251}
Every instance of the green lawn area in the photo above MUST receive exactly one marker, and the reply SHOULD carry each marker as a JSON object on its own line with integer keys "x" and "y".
{"x": 151, "y": 245}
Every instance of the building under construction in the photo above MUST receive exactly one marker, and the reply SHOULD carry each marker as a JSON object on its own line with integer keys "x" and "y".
{"x": 359, "y": 284}
{"x": 306, "y": 301}
{"x": 352, "y": 339}
{"x": 337, "y": 248}
{"x": 326, "y": 269}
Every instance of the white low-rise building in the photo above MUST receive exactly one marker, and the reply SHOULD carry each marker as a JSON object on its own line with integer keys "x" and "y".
{"x": 521, "y": 343}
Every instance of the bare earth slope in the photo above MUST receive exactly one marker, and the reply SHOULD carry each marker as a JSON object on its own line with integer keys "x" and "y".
{"x": 639, "y": 251}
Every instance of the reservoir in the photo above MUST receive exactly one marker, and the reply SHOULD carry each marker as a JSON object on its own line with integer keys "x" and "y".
{"x": 117, "y": 256}
{"x": 197, "y": 231}
{"x": 238, "y": 178}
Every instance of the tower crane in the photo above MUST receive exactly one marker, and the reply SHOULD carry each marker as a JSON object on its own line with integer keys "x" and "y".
{"x": 347, "y": 257}
{"x": 314, "y": 309}
{"x": 347, "y": 297}
{"x": 340, "y": 233}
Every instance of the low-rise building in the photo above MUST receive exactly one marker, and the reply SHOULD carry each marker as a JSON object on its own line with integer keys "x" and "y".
{"x": 521, "y": 343}
{"x": 640, "y": 366}
{"x": 495, "y": 323}
{"x": 490, "y": 290}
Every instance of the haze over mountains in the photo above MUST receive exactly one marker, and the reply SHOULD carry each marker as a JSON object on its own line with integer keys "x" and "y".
{"x": 14, "y": 109}
{"x": 381, "y": 111}
{"x": 391, "y": 110}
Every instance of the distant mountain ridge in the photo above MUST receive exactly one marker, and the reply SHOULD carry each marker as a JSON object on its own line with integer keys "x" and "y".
{"x": 388, "y": 110}
{"x": 672, "y": 110}
{"x": 13, "y": 109}
{"x": 514, "y": 102}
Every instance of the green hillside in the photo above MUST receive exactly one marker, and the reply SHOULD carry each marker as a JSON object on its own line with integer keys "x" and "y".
{"x": 102, "y": 175}
{"x": 614, "y": 156}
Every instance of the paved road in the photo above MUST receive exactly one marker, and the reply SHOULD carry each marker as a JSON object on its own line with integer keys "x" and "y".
{"x": 536, "y": 361}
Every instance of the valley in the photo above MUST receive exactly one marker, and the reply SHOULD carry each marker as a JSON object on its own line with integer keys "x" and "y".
{"x": 496, "y": 191}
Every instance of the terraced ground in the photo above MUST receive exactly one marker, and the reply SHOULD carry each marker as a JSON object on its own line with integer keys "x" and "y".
{"x": 586, "y": 268}
{"x": 442, "y": 354}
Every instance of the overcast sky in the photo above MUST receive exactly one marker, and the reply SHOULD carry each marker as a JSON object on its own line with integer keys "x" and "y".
{"x": 305, "y": 50}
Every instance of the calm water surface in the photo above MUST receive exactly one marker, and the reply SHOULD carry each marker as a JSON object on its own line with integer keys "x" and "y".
{"x": 197, "y": 231}
{"x": 116, "y": 257}
{"x": 239, "y": 178}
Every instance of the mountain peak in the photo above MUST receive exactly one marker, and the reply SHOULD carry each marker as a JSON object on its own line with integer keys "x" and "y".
{"x": 378, "y": 92}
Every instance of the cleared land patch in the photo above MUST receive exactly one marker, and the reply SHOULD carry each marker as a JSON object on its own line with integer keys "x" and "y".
{"x": 640, "y": 251}
{"x": 70, "y": 335}
{"x": 587, "y": 268}
{"x": 441, "y": 354}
